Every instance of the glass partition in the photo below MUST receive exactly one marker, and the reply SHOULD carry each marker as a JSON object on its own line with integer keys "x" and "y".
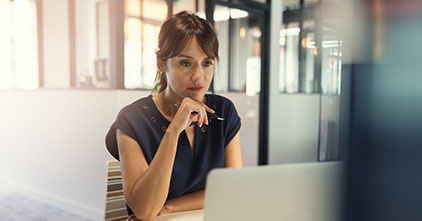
{"x": 92, "y": 47}
{"x": 141, "y": 26}
{"x": 239, "y": 34}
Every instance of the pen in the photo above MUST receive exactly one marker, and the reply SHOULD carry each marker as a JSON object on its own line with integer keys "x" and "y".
{"x": 211, "y": 116}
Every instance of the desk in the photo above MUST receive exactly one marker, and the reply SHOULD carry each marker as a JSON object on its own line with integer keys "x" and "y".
{"x": 195, "y": 215}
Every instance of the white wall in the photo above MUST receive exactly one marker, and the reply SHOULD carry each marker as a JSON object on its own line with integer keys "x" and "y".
{"x": 293, "y": 119}
{"x": 52, "y": 143}
{"x": 248, "y": 110}
{"x": 293, "y": 128}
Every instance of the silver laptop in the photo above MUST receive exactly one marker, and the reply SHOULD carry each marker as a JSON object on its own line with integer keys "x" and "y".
{"x": 294, "y": 192}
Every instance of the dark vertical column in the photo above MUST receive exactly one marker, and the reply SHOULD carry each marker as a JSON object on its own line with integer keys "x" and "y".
{"x": 209, "y": 14}
{"x": 169, "y": 7}
{"x": 317, "y": 66}
{"x": 301, "y": 51}
{"x": 209, "y": 10}
{"x": 230, "y": 60}
{"x": 265, "y": 89}
{"x": 318, "y": 44}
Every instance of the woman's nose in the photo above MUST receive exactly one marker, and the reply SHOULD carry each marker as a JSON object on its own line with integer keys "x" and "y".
{"x": 197, "y": 73}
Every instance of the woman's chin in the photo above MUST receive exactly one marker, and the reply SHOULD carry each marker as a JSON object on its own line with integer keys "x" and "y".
{"x": 196, "y": 96}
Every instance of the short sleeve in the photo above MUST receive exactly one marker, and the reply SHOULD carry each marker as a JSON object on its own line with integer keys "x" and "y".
{"x": 233, "y": 124}
{"x": 123, "y": 122}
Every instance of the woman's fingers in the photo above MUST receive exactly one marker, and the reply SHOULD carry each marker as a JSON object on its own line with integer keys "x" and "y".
{"x": 205, "y": 118}
{"x": 201, "y": 118}
{"x": 193, "y": 118}
{"x": 208, "y": 109}
{"x": 197, "y": 110}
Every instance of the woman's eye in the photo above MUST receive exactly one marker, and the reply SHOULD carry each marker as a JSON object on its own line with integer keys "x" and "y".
{"x": 185, "y": 63}
{"x": 208, "y": 63}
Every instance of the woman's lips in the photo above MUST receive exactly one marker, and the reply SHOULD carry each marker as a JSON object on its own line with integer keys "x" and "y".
{"x": 199, "y": 88}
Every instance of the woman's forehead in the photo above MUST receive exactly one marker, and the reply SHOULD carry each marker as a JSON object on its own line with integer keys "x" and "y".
{"x": 193, "y": 50}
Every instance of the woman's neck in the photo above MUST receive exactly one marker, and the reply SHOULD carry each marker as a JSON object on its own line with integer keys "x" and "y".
{"x": 168, "y": 101}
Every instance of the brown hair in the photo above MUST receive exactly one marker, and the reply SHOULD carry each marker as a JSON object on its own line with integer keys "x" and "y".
{"x": 175, "y": 33}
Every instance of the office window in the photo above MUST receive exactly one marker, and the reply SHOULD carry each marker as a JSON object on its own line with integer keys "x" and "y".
{"x": 221, "y": 75}
{"x": 239, "y": 34}
{"x": 331, "y": 66}
{"x": 18, "y": 43}
{"x": 92, "y": 44}
{"x": 298, "y": 52}
{"x": 291, "y": 3}
{"x": 297, "y": 58}
{"x": 310, "y": 51}
{"x": 236, "y": 1}
{"x": 143, "y": 19}
{"x": 296, "y": 3}
{"x": 289, "y": 63}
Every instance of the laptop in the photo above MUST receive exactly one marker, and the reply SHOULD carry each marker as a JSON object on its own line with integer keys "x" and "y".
{"x": 293, "y": 192}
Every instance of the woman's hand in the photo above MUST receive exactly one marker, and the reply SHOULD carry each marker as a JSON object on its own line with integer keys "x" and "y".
{"x": 190, "y": 111}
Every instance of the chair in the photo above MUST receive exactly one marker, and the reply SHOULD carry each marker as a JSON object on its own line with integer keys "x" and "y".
{"x": 115, "y": 209}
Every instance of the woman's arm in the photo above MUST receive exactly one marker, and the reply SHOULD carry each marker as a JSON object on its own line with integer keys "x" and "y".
{"x": 233, "y": 153}
{"x": 146, "y": 187}
{"x": 191, "y": 201}
{"x": 195, "y": 200}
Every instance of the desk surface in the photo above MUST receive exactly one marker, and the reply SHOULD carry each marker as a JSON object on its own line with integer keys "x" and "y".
{"x": 195, "y": 215}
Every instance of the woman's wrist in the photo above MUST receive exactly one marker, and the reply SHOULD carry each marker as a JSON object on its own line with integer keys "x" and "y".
{"x": 173, "y": 130}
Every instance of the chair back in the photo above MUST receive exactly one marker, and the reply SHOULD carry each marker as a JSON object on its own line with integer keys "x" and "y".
{"x": 115, "y": 209}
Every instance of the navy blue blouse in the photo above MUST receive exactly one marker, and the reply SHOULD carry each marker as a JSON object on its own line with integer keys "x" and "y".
{"x": 143, "y": 122}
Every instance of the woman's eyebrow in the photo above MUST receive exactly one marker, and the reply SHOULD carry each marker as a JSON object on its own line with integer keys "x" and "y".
{"x": 187, "y": 56}
{"x": 182, "y": 55}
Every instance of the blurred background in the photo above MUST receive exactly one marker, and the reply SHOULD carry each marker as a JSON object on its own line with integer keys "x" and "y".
{"x": 313, "y": 81}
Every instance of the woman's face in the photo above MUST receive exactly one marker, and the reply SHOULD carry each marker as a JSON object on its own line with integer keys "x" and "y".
{"x": 189, "y": 74}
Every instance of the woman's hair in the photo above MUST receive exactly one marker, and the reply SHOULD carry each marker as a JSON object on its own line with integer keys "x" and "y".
{"x": 176, "y": 31}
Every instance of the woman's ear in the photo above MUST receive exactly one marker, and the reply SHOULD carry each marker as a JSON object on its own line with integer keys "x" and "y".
{"x": 161, "y": 65}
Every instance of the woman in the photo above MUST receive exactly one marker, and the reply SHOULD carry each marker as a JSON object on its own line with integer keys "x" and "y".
{"x": 166, "y": 143}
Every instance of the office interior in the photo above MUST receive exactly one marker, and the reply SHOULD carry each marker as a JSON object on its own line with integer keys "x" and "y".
{"x": 312, "y": 80}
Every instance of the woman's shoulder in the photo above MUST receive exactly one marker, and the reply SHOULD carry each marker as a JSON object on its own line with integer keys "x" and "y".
{"x": 135, "y": 106}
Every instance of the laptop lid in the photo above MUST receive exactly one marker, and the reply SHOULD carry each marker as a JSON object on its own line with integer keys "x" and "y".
{"x": 294, "y": 192}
